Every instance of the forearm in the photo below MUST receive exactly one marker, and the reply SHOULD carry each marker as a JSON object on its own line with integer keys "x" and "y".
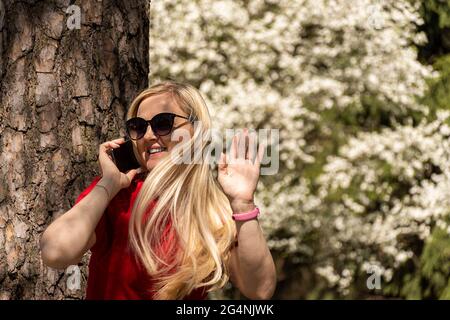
{"x": 256, "y": 266}
{"x": 67, "y": 237}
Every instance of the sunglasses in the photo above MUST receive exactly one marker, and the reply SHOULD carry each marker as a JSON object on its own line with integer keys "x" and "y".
{"x": 161, "y": 124}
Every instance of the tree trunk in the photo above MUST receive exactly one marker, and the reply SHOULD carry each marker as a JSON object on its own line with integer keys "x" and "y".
{"x": 63, "y": 91}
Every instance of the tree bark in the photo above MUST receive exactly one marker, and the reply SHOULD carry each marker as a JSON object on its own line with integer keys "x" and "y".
{"x": 63, "y": 92}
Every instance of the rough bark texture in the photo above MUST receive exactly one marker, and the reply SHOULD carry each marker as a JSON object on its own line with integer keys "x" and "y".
{"x": 63, "y": 92}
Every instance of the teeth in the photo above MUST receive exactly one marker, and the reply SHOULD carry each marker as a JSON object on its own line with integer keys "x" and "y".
{"x": 150, "y": 151}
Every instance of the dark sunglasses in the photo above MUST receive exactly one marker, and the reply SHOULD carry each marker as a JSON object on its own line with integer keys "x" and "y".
{"x": 161, "y": 124}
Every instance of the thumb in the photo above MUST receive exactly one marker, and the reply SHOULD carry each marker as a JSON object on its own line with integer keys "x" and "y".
{"x": 133, "y": 172}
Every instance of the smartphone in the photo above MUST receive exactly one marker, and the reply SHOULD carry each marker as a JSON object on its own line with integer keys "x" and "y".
{"x": 124, "y": 157}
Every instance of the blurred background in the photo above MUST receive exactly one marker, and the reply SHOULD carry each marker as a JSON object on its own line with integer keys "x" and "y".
{"x": 360, "y": 92}
{"x": 359, "y": 89}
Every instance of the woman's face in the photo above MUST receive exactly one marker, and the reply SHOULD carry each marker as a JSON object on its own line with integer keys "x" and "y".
{"x": 148, "y": 108}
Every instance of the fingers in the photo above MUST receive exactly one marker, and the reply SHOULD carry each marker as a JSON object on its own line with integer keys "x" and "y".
{"x": 238, "y": 146}
{"x": 261, "y": 151}
{"x": 106, "y": 147}
{"x": 222, "y": 161}
{"x": 243, "y": 145}
{"x": 233, "y": 149}
{"x": 252, "y": 146}
{"x": 102, "y": 155}
{"x": 113, "y": 143}
{"x": 119, "y": 140}
{"x": 110, "y": 145}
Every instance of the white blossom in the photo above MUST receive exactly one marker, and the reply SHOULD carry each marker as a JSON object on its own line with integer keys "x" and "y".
{"x": 293, "y": 66}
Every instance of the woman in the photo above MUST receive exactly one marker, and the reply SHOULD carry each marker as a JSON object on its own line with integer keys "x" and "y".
{"x": 168, "y": 230}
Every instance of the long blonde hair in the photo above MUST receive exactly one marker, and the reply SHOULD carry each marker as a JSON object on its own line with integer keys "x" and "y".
{"x": 187, "y": 198}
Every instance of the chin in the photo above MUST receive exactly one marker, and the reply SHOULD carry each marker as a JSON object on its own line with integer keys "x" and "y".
{"x": 150, "y": 163}
{"x": 150, "y": 166}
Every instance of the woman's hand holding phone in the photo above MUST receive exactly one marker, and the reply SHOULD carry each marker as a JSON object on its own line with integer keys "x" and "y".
{"x": 109, "y": 171}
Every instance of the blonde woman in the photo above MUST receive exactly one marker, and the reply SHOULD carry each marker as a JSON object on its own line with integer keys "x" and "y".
{"x": 167, "y": 230}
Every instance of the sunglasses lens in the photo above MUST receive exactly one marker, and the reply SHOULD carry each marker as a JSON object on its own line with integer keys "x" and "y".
{"x": 162, "y": 124}
{"x": 136, "y": 128}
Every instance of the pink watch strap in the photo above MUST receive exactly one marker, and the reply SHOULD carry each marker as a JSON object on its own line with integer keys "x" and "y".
{"x": 246, "y": 215}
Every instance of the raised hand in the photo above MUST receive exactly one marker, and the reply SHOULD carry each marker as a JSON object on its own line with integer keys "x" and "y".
{"x": 238, "y": 173}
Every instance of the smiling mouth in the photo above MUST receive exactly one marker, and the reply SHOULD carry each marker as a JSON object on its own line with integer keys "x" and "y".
{"x": 155, "y": 151}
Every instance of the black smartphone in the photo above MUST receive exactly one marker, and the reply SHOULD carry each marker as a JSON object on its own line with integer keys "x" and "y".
{"x": 124, "y": 157}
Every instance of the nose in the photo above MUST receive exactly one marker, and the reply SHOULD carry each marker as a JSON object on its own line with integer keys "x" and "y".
{"x": 149, "y": 135}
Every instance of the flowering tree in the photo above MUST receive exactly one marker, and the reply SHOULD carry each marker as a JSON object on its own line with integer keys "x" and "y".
{"x": 363, "y": 160}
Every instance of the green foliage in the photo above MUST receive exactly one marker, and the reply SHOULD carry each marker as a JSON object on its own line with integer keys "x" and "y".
{"x": 429, "y": 276}
{"x": 438, "y": 96}
{"x": 436, "y": 15}
{"x": 435, "y": 265}
{"x": 441, "y": 8}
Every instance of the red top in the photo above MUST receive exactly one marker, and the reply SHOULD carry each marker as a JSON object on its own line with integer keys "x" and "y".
{"x": 114, "y": 272}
